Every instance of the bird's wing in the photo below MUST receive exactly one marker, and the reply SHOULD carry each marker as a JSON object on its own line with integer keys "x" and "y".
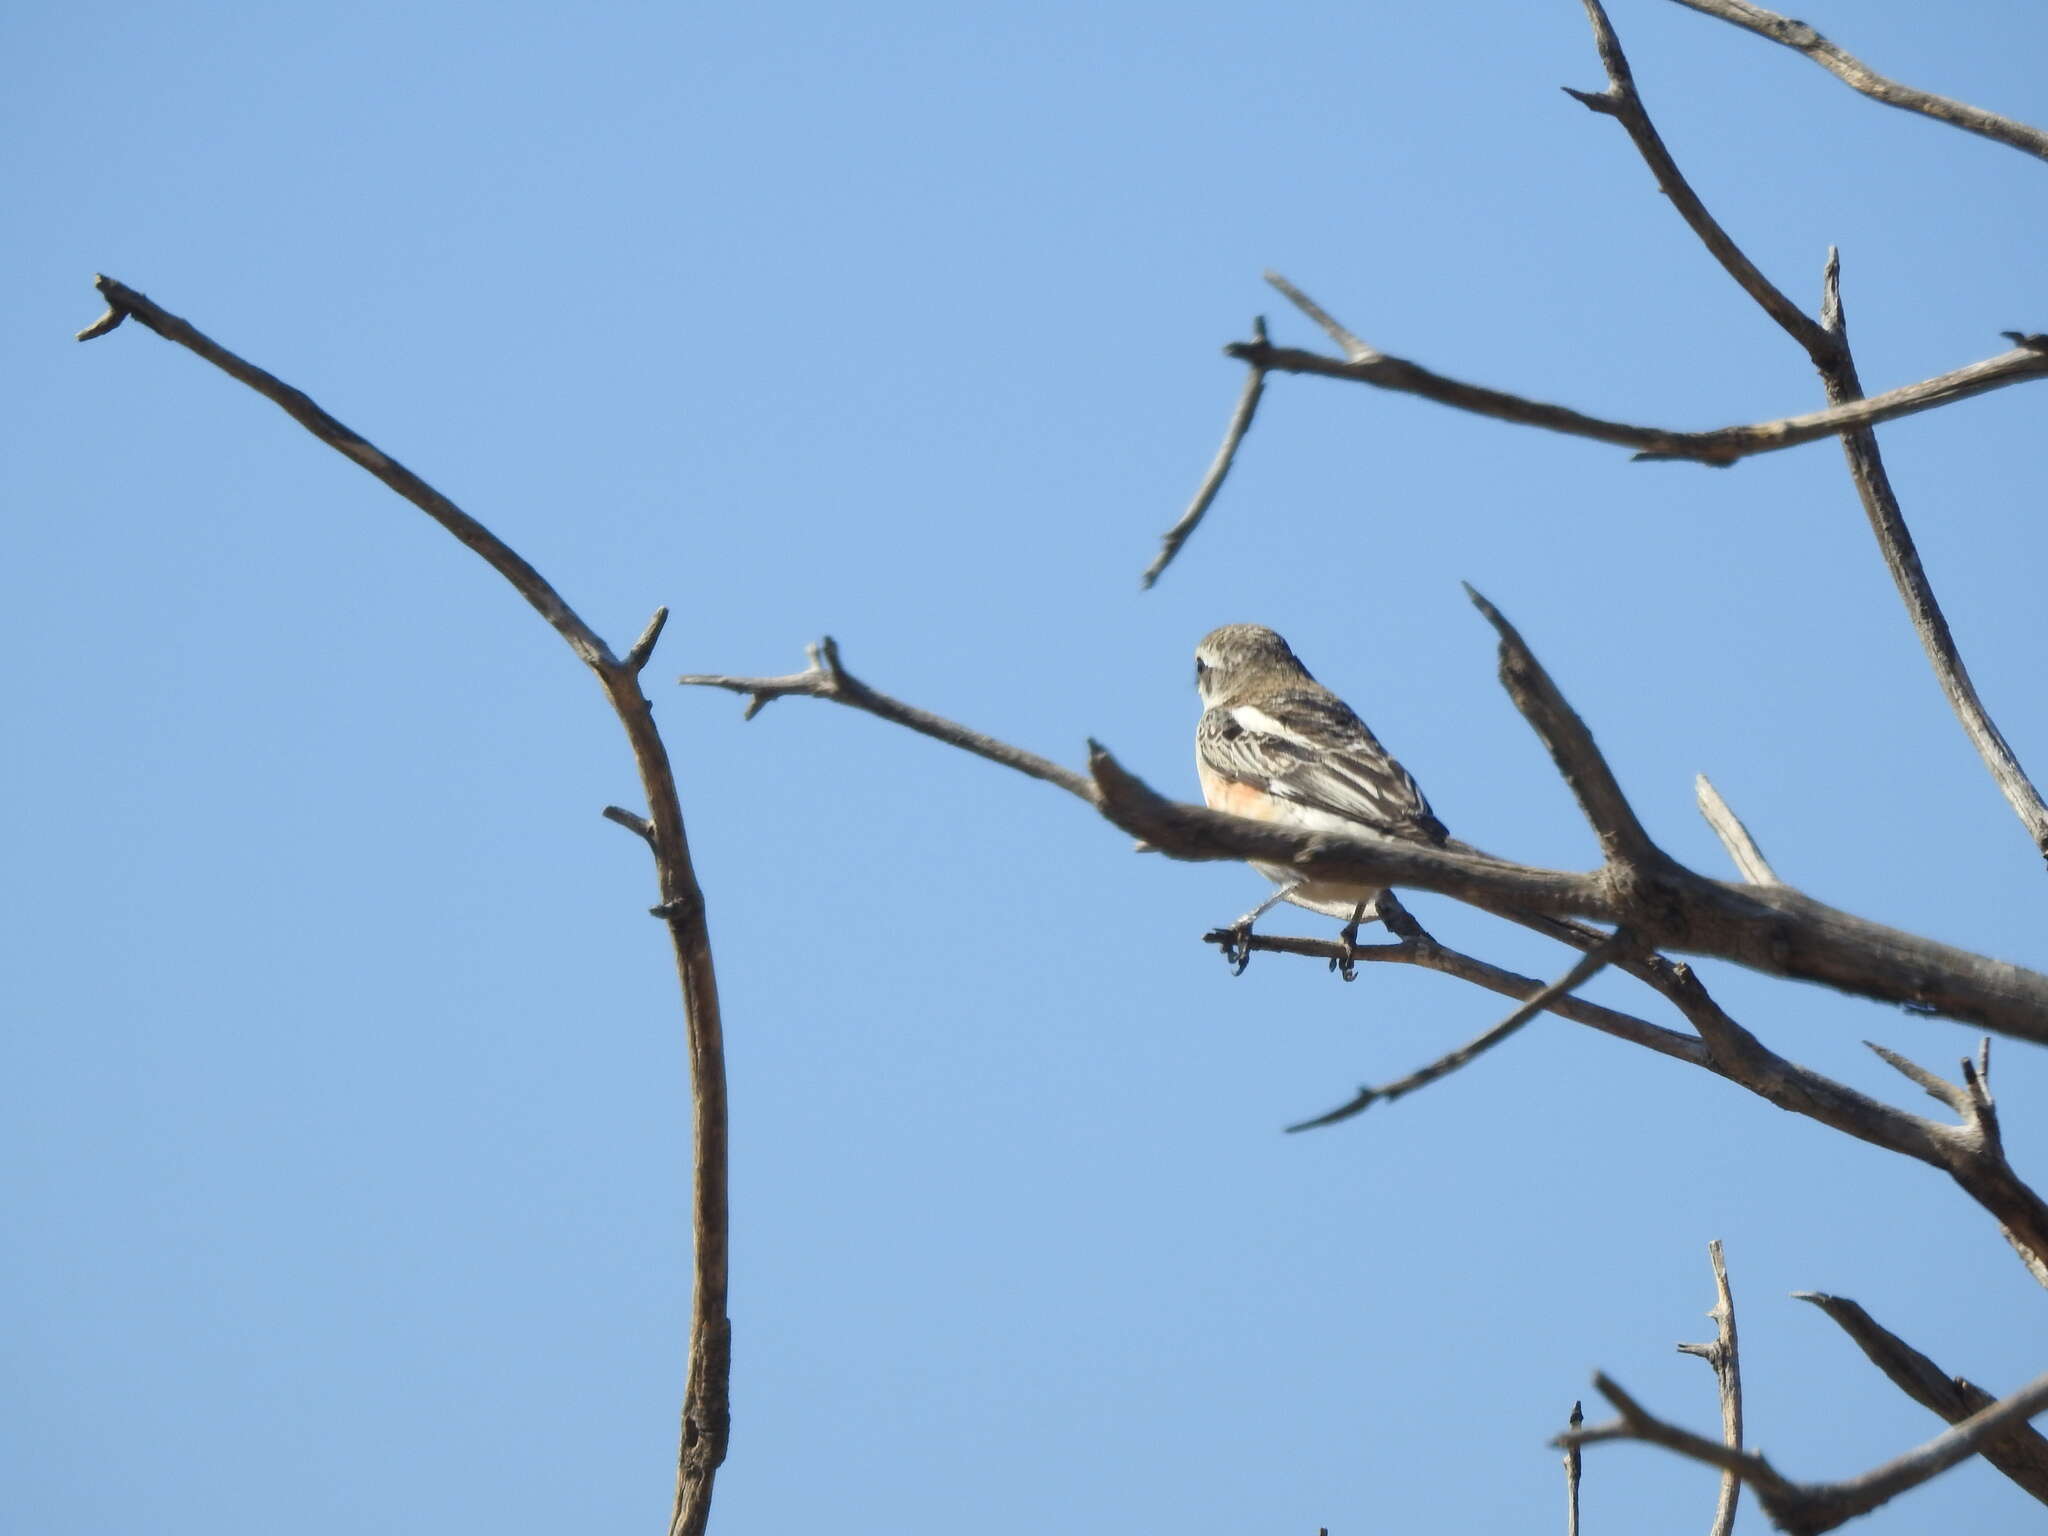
{"x": 1309, "y": 750}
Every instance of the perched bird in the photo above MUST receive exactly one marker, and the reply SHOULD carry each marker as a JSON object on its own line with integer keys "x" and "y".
{"x": 1276, "y": 745}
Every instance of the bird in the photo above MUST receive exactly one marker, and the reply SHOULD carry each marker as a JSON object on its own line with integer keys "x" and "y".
{"x": 1276, "y": 745}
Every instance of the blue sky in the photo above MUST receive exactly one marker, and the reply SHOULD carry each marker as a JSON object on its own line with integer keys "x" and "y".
{"x": 344, "y": 1080}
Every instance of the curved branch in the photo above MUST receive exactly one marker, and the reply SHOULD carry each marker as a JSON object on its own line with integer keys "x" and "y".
{"x": 1902, "y": 559}
{"x": 1621, "y": 102}
{"x": 1219, "y": 468}
{"x": 706, "y": 1397}
{"x": 1858, "y": 76}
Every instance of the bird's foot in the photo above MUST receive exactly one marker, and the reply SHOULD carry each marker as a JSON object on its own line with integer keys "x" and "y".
{"x": 1345, "y": 961}
{"x": 1237, "y": 946}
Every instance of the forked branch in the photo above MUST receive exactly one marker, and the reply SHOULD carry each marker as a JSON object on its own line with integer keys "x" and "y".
{"x": 1805, "y": 1509}
{"x": 1826, "y": 343}
{"x": 2021, "y": 1452}
{"x": 1724, "y": 1354}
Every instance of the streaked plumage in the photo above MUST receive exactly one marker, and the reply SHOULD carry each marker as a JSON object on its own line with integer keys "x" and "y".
{"x": 1276, "y": 745}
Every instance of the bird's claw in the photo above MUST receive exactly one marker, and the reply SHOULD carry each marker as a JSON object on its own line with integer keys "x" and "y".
{"x": 1345, "y": 961}
{"x": 1237, "y": 949}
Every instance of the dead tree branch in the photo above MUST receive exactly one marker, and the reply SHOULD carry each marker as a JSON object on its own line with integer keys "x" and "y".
{"x": 1573, "y": 1458}
{"x": 825, "y": 678}
{"x": 1826, "y": 343}
{"x": 1749, "y": 859}
{"x": 1427, "y": 953}
{"x": 1725, "y": 1357}
{"x": 1589, "y": 965}
{"x": 706, "y": 1416}
{"x": 1719, "y": 446}
{"x": 1858, "y": 76}
{"x": 1805, "y": 1509}
{"x": 1902, "y": 559}
{"x": 2021, "y": 1452}
{"x": 1219, "y": 468}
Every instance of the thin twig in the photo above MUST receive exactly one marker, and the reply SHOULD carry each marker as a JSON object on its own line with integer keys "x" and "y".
{"x": 643, "y": 648}
{"x": 1428, "y": 954}
{"x": 2021, "y": 1453}
{"x": 1724, "y": 1355}
{"x": 1357, "y": 350}
{"x": 638, "y": 825}
{"x": 1749, "y": 859}
{"x": 1720, "y": 446}
{"x": 1589, "y": 965}
{"x": 707, "y": 1391}
{"x": 1219, "y": 467}
{"x": 825, "y": 678}
{"x": 1902, "y": 559}
{"x": 1857, "y": 75}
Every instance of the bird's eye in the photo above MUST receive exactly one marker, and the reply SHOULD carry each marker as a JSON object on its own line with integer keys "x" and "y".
{"x": 1201, "y": 666}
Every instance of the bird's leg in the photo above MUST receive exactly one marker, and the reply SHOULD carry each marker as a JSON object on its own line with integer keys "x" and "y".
{"x": 1345, "y": 962}
{"x": 1238, "y": 952}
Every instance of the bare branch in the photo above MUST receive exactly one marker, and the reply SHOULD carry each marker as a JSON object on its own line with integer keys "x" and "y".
{"x": 1902, "y": 559}
{"x": 1971, "y": 1153}
{"x": 1638, "y": 1423}
{"x": 1857, "y": 75}
{"x": 825, "y": 678}
{"x": 1621, "y": 102}
{"x": 2020, "y": 1452}
{"x": 1775, "y": 930}
{"x": 639, "y": 826}
{"x": 707, "y": 1390}
{"x": 1219, "y": 467}
{"x": 1578, "y": 760}
{"x": 1720, "y": 446}
{"x": 1725, "y": 1357}
{"x": 1805, "y": 1509}
{"x": 1936, "y": 1088}
{"x": 1749, "y": 859}
{"x": 1589, "y": 965}
{"x": 1572, "y": 1459}
{"x": 643, "y": 648}
{"x": 1355, "y": 349}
